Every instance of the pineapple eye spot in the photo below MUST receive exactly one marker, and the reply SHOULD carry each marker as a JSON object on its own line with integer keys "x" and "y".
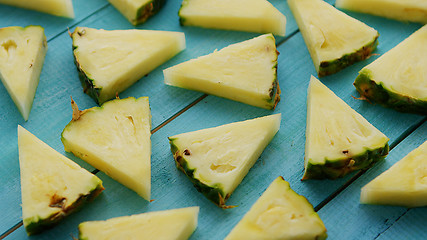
{"x": 9, "y": 45}
{"x": 222, "y": 168}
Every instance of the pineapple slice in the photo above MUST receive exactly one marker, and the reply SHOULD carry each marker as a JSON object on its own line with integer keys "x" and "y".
{"x": 338, "y": 139}
{"x": 404, "y": 184}
{"x": 110, "y": 61}
{"x": 240, "y": 15}
{"x": 175, "y": 224}
{"x": 138, "y": 11}
{"x": 398, "y": 79}
{"x": 22, "y": 52}
{"x": 114, "y": 138}
{"x": 408, "y": 10}
{"x": 279, "y": 213}
{"x": 244, "y": 72}
{"x": 52, "y": 185}
{"x": 62, "y": 8}
{"x": 217, "y": 159}
{"x": 334, "y": 39}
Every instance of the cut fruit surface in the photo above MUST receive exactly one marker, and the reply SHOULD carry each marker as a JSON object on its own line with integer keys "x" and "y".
{"x": 175, "y": 224}
{"x": 115, "y": 138}
{"x": 244, "y": 72}
{"x": 110, "y": 61}
{"x": 404, "y": 184}
{"x": 62, "y": 8}
{"x": 338, "y": 139}
{"x": 279, "y": 213}
{"x": 256, "y": 15}
{"x": 217, "y": 159}
{"x": 22, "y": 53}
{"x": 408, "y": 10}
{"x": 334, "y": 39}
{"x": 52, "y": 186}
{"x": 138, "y": 11}
{"x": 398, "y": 79}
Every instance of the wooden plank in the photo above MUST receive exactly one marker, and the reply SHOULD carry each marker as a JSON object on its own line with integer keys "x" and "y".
{"x": 368, "y": 221}
{"x": 13, "y": 16}
{"x": 409, "y": 226}
{"x": 59, "y": 79}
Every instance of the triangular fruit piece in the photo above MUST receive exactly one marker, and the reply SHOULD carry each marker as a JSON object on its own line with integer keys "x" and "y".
{"x": 138, "y": 11}
{"x": 244, "y": 72}
{"x": 217, "y": 159}
{"x": 52, "y": 186}
{"x": 403, "y": 184}
{"x": 110, "y": 61}
{"x": 334, "y": 39}
{"x": 338, "y": 139}
{"x": 175, "y": 224}
{"x": 62, "y": 8}
{"x": 408, "y": 10}
{"x": 280, "y": 213}
{"x": 240, "y": 15}
{"x": 114, "y": 138}
{"x": 22, "y": 52}
{"x": 398, "y": 79}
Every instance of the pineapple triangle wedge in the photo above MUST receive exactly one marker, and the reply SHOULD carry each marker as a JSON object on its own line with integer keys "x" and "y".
{"x": 217, "y": 159}
{"x": 334, "y": 39}
{"x": 404, "y": 184}
{"x": 22, "y": 53}
{"x": 338, "y": 139}
{"x": 398, "y": 79}
{"x": 240, "y": 15}
{"x": 61, "y": 8}
{"x": 52, "y": 186}
{"x": 111, "y": 61}
{"x": 280, "y": 213}
{"x": 175, "y": 224}
{"x": 114, "y": 138}
{"x": 408, "y": 10}
{"x": 245, "y": 72}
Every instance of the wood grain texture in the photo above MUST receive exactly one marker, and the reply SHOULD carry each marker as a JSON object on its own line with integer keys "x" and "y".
{"x": 170, "y": 188}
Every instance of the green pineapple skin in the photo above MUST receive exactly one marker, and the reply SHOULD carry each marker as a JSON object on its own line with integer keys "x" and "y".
{"x": 328, "y": 68}
{"x": 88, "y": 83}
{"x": 376, "y": 93}
{"x": 213, "y": 193}
{"x": 147, "y": 11}
{"x": 333, "y": 169}
{"x": 38, "y": 226}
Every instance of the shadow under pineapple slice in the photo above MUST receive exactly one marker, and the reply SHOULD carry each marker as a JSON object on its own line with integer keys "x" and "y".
{"x": 52, "y": 186}
{"x": 338, "y": 139}
{"x": 217, "y": 159}
{"x": 409, "y": 10}
{"x": 114, "y": 138}
{"x": 22, "y": 53}
{"x": 280, "y": 213}
{"x": 111, "y": 61}
{"x": 398, "y": 79}
{"x": 404, "y": 184}
{"x": 240, "y": 15}
{"x": 174, "y": 224}
{"x": 245, "y": 72}
{"x": 61, "y": 8}
{"x": 138, "y": 11}
{"x": 334, "y": 39}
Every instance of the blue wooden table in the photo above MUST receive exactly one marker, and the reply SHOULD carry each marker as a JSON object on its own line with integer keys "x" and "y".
{"x": 176, "y": 110}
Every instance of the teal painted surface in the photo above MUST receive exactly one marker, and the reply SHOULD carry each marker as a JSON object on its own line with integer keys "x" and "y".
{"x": 170, "y": 188}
